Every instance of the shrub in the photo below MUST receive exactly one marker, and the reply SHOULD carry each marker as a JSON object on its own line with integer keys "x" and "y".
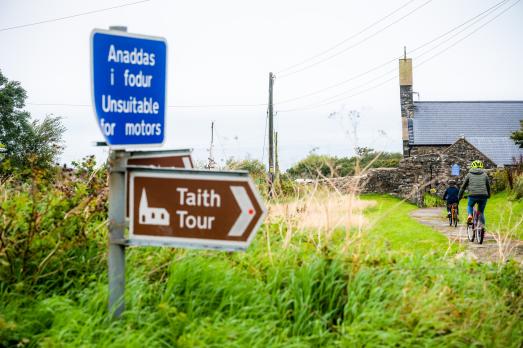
{"x": 314, "y": 165}
{"x": 499, "y": 181}
{"x": 254, "y": 167}
{"x": 285, "y": 187}
{"x": 431, "y": 200}
{"x": 49, "y": 228}
{"x": 256, "y": 170}
{"x": 517, "y": 189}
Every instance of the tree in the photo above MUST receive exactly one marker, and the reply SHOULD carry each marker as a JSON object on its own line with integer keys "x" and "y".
{"x": 517, "y": 136}
{"x": 254, "y": 167}
{"x": 314, "y": 166}
{"x": 28, "y": 143}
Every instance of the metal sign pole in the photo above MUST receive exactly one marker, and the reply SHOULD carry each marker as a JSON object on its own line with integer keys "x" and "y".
{"x": 116, "y": 258}
{"x": 116, "y": 232}
{"x": 119, "y": 106}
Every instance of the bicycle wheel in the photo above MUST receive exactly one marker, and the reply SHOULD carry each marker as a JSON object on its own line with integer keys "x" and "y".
{"x": 470, "y": 231}
{"x": 455, "y": 215}
{"x": 480, "y": 233}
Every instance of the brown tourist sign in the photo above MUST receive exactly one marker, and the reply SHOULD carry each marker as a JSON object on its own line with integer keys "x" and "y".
{"x": 158, "y": 159}
{"x": 192, "y": 208}
{"x": 162, "y": 158}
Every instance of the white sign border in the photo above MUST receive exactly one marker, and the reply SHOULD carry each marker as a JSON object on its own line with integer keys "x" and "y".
{"x": 160, "y": 153}
{"x": 193, "y": 243}
{"x": 129, "y": 147}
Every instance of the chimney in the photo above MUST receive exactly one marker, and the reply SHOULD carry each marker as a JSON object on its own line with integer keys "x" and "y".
{"x": 406, "y": 100}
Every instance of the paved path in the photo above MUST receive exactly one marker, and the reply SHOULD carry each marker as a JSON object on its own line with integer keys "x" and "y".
{"x": 494, "y": 248}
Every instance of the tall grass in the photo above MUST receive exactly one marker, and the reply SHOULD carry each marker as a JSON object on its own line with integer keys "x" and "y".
{"x": 301, "y": 300}
{"x": 324, "y": 270}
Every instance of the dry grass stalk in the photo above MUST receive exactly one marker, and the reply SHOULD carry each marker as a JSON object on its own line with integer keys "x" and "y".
{"x": 318, "y": 213}
{"x": 506, "y": 240}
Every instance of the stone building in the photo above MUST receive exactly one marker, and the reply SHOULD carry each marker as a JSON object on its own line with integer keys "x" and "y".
{"x": 440, "y": 139}
{"x": 433, "y": 126}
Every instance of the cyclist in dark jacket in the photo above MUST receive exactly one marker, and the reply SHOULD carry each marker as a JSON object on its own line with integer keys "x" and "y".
{"x": 479, "y": 189}
{"x": 451, "y": 195}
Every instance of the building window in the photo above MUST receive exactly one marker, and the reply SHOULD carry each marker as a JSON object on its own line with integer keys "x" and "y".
{"x": 454, "y": 170}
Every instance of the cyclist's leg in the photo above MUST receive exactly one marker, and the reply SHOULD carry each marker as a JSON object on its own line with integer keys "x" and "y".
{"x": 482, "y": 203}
{"x": 470, "y": 206}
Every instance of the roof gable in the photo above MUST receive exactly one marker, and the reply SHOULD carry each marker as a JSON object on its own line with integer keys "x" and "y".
{"x": 464, "y": 149}
{"x": 485, "y": 124}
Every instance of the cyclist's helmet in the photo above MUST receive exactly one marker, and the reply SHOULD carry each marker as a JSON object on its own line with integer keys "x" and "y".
{"x": 476, "y": 164}
{"x": 452, "y": 182}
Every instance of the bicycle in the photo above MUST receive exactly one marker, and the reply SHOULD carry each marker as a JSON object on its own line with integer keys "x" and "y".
{"x": 475, "y": 228}
{"x": 453, "y": 217}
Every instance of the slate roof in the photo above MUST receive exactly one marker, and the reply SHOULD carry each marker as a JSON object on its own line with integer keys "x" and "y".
{"x": 485, "y": 124}
{"x": 501, "y": 150}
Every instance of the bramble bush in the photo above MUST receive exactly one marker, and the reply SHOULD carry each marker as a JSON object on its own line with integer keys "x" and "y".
{"x": 51, "y": 227}
{"x": 517, "y": 188}
{"x": 314, "y": 165}
{"x": 499, "y": 181}
{"x": 432, "y": 200}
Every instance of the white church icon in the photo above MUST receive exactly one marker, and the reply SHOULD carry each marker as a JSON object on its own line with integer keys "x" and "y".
{"x": 151, "y": 216}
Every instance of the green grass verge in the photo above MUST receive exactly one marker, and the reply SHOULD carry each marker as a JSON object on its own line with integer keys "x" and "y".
{"x": 399, "y": 289}
{"x": 393, "y": 228}
{"x": 502, "y": 214}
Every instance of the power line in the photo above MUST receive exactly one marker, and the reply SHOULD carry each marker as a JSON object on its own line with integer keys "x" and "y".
{"x": 72, "y": 16}
{"x": 217, "y": 106}
{"x": 59, "y": 104}
{"x": 357, "y": 43}
{"x": 481, "y": 14}
{"x": 468, "y": 35}
{"x": 347, "y": 39}
{"x": 326, "y": 100}
{"x": 352, "y": 78}
{"x": 323, "y": 103}
{"x": 475, "y": 19}
{"x": 202, "y": 106}
{"x": 314, "y": 106}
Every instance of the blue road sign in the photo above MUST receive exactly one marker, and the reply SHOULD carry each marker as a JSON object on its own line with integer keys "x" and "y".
{"x": 128, "y": 74}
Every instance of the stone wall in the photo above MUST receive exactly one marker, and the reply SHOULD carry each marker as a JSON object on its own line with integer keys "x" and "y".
{"x": 416, "y": 150}
{"x": 406, "y": 101}
{"x": 418, "y": 174}
{"x": 463, "y": 149}
{"x": 407, "y": 108}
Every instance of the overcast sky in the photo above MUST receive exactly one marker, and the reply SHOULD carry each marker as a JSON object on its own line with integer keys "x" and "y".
{"x": 221, "y": 52}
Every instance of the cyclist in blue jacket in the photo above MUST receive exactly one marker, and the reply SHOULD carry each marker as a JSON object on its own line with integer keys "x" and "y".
{"x": 451, "y": 195}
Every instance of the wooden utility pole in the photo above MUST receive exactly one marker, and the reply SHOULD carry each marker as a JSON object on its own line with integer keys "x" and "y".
{"x": 276, "y": 162}
{"x": 271, "y": 133}
{"x": 211, "y": 164}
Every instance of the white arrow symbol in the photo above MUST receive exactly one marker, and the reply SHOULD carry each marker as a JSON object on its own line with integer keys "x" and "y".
{"x": 247, "y": 214}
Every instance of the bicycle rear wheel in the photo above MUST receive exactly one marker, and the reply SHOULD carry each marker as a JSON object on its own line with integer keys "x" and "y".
{"x": 470, "y": 231}
{"x": 480, "y": 234}
{"x": 455, "y": 215}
